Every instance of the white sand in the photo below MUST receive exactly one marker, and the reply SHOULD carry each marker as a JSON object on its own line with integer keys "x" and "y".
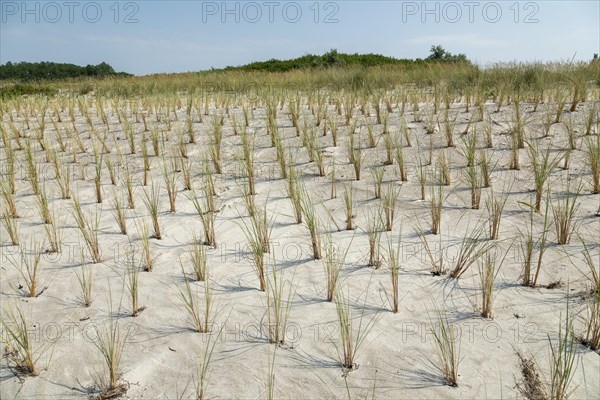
{"x": 398, "y": 358}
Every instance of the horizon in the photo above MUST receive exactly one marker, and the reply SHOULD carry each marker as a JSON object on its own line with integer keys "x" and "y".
{"x": 156, "y": 37}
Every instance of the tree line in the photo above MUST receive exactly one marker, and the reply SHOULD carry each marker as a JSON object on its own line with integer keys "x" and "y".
{"x": 334, "y": 59}
{"x": 27, "y": 71}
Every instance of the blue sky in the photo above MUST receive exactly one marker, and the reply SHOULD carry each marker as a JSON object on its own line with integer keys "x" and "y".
{"x": 144, "y": 37}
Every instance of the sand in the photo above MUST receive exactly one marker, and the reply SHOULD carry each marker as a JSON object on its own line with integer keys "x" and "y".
{"x": 397, "y": 358}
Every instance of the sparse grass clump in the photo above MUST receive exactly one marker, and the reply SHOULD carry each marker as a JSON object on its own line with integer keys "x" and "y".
{"x": 393, "y": 262}
{"x": 562, "y": 360}
{"x": 591, "y": 333}
{"x": 528, "y": 246}
{"x": 110, "y": 340}
{"x": 349, "y": 206}
{"x": 257, "y": 233}
{"x": 313, "y": 223}
{"x": 88, "y": 228}
{"x": 489, "y": 267}
{"x": 152, "y": 200}
{"x": 374, "y": 230}
{"x": 11, "y": 225}
{"x": 472, "y": 248}
{"x": 171, "y": 185}
{"x": 389, "y": 199}
{"x": 119, "y": 214}
{"x": 19, "y": 341}
{"x": 564, "y": 210}
{"x": 30, "y": 268}
{"x": 334, "y": 263}
{"x": 448, "y": 348}
{"x": 201, "y": 318}
{"x": 351, "y": 337}
{"x": 85, "y": 277}
{"x": 280, "y": 293}
{"x": 593, "y": 158}
{"x": 206, "y": 215}
{"x": 198, "y": 259}
{"x": 293, "y": 190}
{"x": 542, "y": 166}
{"x": 495, "y": 207}
{"x": 131, "y": 283}
{"x": 435, "y": 207}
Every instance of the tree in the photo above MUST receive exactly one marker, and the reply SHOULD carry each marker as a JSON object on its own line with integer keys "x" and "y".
{"x": 437, "y": 53}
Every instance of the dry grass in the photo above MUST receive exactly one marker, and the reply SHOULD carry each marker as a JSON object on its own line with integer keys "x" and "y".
{"x": 349, "y": 206}
{"x": 444, "y": 169}
{"x": 593, "y": 158}
{"x": 119, "y": 213}
{"x": 293, "y": 190}
{"x": 313, "y": 223}
{"x": 591, "y": 335}
{"x": 29, "y": 267}
{"x": 389, "y": 200}
{"x": 495, "y": 207}
{"x": 472, "y": 248}
{"x": 248, "y": 159}
{"x": 351, "y": 337}
{"x": 258, "y": 244}
{"x": 531, "y": 385}
{"x": 170, "y": 184}
{"x": 564, "y": 210}
{"x": 11, "y": 225}
{"x": 198, "y": 259}
{"x": 19, "y": 340}
{"x": 435, "y": 207}
{"x": 374, "y": 230}
{"x": 130, "y": 189}
{"x": 333, "y": 263}
{"x": 377, "y": 174}
{"x": 437, "y": 265}
{"x": 86, "y": 284}
{"x": 8, "y": 196}
{"x": 562, "y": 360}
{"x": 489, "y": 267}
{"x": 542, "y": 166}
{"x": 447, "y": 342}
{"x": 54, "y": 233}
{"x": 201, "y": 319}
{"x": 132, "y": 283}
{"x": 280, "y": 296}
{"x": 393, "y": 262}
{"x": 399, "y": 157}
{"x": 204, "y": 364}
{"x": 88, "y": 228}
{"x": 110, "y": 340}
{"x": 152, "y": 201}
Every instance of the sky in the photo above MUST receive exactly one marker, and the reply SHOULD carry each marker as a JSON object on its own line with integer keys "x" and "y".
{"x": 158, "y": 36}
